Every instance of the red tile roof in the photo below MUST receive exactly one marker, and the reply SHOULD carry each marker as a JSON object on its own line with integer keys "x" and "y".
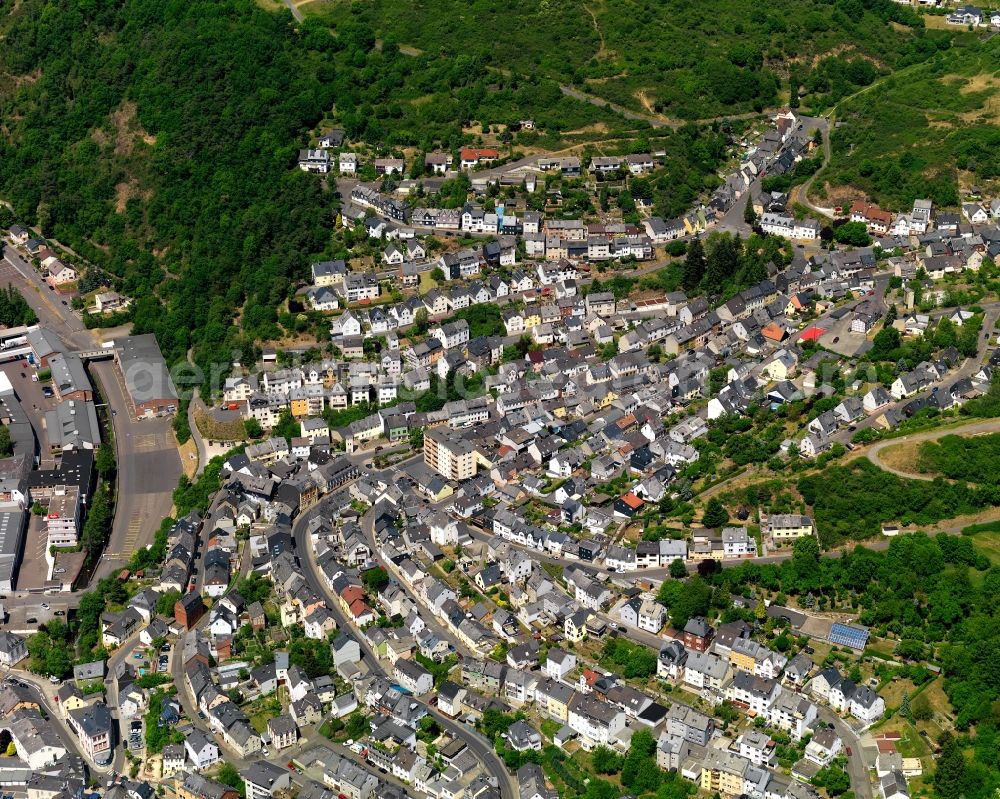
{"x": 632, "y": 501}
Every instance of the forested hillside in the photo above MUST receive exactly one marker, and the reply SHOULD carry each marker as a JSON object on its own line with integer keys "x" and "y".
{"x": 159, "y": 137}
{"x": 159, "y": 140}
{"x": 683, "y": 58}
{"x": 912, "y": 134}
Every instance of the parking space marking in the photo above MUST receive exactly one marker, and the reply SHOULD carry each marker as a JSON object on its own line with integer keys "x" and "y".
{"x": 134, "y": 527}
{"x": 146, "y": 442}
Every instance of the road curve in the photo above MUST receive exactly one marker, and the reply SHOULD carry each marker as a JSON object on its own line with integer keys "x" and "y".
{"x": 823, "y": 125}
{"x": 479, "y": 746}
{"x": 975, "y": 428}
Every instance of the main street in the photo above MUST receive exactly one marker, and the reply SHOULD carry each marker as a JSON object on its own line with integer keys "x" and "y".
{"x": 479, "y": 746}
{"x": 148, "y": 462}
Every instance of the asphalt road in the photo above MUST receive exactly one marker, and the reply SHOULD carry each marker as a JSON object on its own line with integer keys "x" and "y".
{"x": 860, "y": 781}
{"x": 975, "y": 428}
{"x": 823, "y": 124}
{"x": 148, "y": 469}
{"x": 966, "y": 369}
{"x": 478, "y": 745}
{"x": 368, "y": 529}
{"x": 45, "y": 691}
{"x": 119, "y": 656}
{"x": 290, "y": 5}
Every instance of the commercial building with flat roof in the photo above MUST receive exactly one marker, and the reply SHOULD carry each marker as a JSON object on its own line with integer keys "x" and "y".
{"x": 147, "y": 379}
{"x": 13, "y": 525}
{"x": 64, "y": 519}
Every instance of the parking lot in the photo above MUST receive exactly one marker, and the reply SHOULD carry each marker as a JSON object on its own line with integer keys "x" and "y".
{"x": 26, "y": 617}
{"x": 839, "y": 338}
{"x": 34, "y": 569}
{"x": 33, "y": 401}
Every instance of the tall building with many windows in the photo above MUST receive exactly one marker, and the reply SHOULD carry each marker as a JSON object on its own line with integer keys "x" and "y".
{"x": 452, "y": 456}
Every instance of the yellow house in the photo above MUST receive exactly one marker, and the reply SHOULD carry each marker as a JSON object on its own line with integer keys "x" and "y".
{"x": 782, "y": 367}
{"x": 608, "y": 398}
{"x": 532, "y": 318}
{"x": 299, "y": 407}
{"x": 72, "y": 702}
{"x": 693, "y": 222}
{"x": 557, "y": 701}
{"x": 744, "y": 661}
{"x": 443, "y": 492}
{"x": 703, "y": 548}
{"x": 725, "y": 783}
{"x": 789, "y": 526}
{"x": 723, "y": 771}
{"x": 291, "y": 612}
{"x": 575, "y": 626}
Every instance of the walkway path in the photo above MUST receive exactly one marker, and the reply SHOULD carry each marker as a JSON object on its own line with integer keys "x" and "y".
{"x": 803, "y": 191}
{"x": 294, "y": 9}
{"x": 194, "y": 406}
{"x": 656, "y": 121}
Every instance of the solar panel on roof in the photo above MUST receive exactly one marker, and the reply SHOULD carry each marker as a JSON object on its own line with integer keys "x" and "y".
{"x": 854, "y": 637}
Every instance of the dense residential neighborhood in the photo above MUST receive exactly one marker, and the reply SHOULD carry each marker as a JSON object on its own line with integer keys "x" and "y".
{"x": 533, "y": 492}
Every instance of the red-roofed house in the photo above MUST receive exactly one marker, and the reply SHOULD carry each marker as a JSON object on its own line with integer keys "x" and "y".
{"x": 361, "y": 612}
{"x": 472, "y": 157}
{"x": 877, "y": 220}
{"x": 812, "y": 334}
{"x": 627, "y": 505}
{"x": 774, "y": 332}
{"x": 350, "y": 595}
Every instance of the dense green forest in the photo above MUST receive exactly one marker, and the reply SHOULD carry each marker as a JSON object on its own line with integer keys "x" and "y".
{"x": 671, "y": 57}
{"x": 906, "y": 136}
{"x": 159, "y": 138}
{"x": 14, "y": 309}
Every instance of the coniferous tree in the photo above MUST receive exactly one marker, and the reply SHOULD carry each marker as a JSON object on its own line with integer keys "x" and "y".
{"x": 694, "y": 265}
